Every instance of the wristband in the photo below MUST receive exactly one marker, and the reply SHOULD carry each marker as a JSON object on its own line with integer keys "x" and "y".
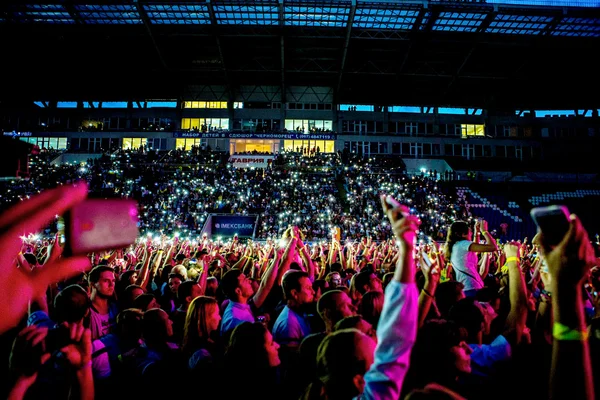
{"x": 563, "y": 332}
{"x": 427, "y": 293}
{"x": 504, "y": 268}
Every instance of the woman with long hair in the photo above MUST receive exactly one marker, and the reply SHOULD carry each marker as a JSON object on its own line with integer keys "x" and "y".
{"x": 462, "y": 251}
{"x": 370, "y": 307}
{"x": 199, "y": 340}
{"x": 252, "y": 357}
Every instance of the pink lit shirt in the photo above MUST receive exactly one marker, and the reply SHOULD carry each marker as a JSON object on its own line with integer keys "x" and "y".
{"x": 396, "y": 335}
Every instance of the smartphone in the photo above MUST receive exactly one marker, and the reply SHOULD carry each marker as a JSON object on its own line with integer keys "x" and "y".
{"x": 426, "y": 259}
{"x": 60, "y": 227}
{"x": 552, "y": 221}
{"x": 391, "y": 201}
{"x": 100, "y": 224}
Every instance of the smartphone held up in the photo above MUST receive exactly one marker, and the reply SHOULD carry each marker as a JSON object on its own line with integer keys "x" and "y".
{"x": 100, "y": 224}
{"x": 552, "y": 221}
{"x": 395, "y": 204}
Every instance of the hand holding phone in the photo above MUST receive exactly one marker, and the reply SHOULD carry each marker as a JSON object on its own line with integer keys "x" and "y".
{"x": 404, "y": 225}
{"x": 552, "y": 221}
{"x": 391, "y": 201}
{"x": 426, "y": 259}
{"x": 97, "y": 224}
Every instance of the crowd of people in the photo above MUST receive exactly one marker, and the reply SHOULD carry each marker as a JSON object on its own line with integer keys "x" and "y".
{"x": 374, "y": 309}
{"x": 177, "y": 190}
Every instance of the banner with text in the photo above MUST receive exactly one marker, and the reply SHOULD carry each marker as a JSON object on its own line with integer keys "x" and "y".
{"x": 250, "y": 135}
{"x": 241, "y": 161}
{"x": 228, "y": 225}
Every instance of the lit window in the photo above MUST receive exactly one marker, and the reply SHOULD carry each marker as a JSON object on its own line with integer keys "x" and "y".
{"x": 472, "y": 130}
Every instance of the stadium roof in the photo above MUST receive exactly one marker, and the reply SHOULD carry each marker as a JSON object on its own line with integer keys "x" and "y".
{"x": 499, "y": 54}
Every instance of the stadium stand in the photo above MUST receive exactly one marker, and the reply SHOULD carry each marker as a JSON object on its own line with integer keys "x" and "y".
{"x": 261, "y": 140}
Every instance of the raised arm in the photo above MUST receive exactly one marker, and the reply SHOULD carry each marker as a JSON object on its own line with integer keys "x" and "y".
{"x": 267, "y": 281}
{"x": 144, "y": 274}
{"x": 515, "y": 321}
{"x": 397, "y": 328}
{"x": 286, "y": 259}
{"x": 490, "y": 243}
{"x": 569, "y": 264}
{"x": 310, "y": 264}
{"x": 17, "y": 287}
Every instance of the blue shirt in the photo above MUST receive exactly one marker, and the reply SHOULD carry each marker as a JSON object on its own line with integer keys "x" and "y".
{"x": 290, "y": 327}
{"x": 235, "y": 314}
{"x": 485, "y": 357}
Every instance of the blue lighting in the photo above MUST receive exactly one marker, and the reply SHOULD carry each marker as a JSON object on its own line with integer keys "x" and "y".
{"x": 474, "y": 111}
{"x": 548, "y": 3}
{"x": 114, "y": 104}
{"x": 453, "y": 111}
{"x": 553, "y": 113}
{"x": 177, "y": 14}
{"x": 247, "y": 15}
{"x": 584, "y": 27}
{"x": 519, "y": 24}
{"x": 405, "y": 109}
{"x": 316, "y": 16}
{"x": 374, "y": 18}
{"x": 45, "y": 13}
{"x": 114, "y": 14}
{"x": 66, "y": 104}
{"x": 358, "y": 107}
{"x": 458, "y": 22}
{"x": 161, "y": 104}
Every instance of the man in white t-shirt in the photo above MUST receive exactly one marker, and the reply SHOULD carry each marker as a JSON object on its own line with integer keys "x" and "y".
{"x": 104, "y": 309}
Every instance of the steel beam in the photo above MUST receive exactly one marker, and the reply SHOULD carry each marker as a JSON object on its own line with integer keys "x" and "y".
{"x": 73, "y": 12}
{"x": 147, "y": 24}
{"x": 282, "y": 51}
{"x": 346, "y": 45}
{"x": 213, "y": 21}
{"x": 458, "y": 71}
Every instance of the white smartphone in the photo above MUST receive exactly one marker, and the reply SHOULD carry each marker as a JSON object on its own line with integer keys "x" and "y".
{"x": 391, "y": 201}
{"x": 426, "y": 259}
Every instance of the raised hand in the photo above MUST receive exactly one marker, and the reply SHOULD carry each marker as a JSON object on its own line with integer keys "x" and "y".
{"x": 29, "y": 216}
{"x": 431, "y": 273}
{"x": 26, "y": 357}
{"x": 511, "y": 249}
{"x": 27, "y": 353}
{"x": 483, "y": 225}
{"x": 79, "y": 352}
{"x": 570, "y": 261}
{"x": 404, "y": 225}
